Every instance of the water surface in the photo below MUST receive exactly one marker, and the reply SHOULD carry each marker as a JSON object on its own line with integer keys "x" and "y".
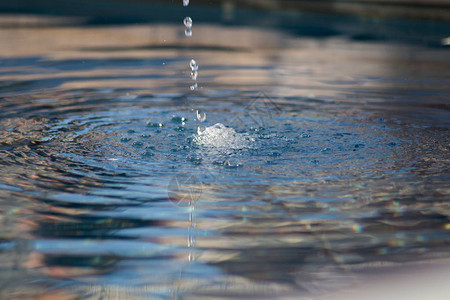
{"x": 321, "y": 157}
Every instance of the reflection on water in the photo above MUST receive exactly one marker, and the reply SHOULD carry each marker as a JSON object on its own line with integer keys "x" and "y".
{"x": 319, "y": 159}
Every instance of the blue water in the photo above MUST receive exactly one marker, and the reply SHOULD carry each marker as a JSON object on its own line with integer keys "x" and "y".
{"x": 320, "y": 155}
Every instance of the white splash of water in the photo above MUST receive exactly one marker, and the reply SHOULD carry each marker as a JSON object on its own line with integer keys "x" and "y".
{"x": 220, "y": 136}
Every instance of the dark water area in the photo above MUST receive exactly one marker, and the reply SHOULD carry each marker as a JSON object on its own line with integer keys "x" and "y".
{"x": 324, "y": 155}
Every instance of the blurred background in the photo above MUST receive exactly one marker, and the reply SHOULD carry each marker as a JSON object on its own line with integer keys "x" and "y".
{"x": 144, "y": 11}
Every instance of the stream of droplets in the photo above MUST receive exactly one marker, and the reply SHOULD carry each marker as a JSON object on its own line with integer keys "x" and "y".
{"x": 200, "y": 116}
{"x": 202, "y": 134}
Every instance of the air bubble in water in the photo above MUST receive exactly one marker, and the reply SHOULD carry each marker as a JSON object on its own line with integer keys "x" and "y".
{"x": 188, "y": 22}
{"x": 201, "y": 116}
{"x": 194, "y": 75}
{"x": 185, "y": 2}
{"x": 193, "y": 64}
{"x": 188, "y": 32}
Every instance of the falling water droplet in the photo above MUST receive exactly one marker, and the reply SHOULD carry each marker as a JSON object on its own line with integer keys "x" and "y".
{"x": 193, "y": 64}
{"x": 185, "y": 2}
{"x": 194, "y": 75}
{"x": 193, "y": 87}
{"x": 188, "y": 32}
{"x": 201, "y": 116}
{"x": 191, "y": 241}
{"x": 188, "y": 22}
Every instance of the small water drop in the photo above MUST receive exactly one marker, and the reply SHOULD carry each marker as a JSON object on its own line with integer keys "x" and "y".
{"x": 137, "y": 144}
{"x": 179, "y": 120}
{"x": 193, "y": 87}
{"x": 148, "y": 153}
{"x": 193, "y": 64}
{"x": 201, "y": 116}
{"x": 188, "y": 32}
{"x": 232, "y": 163}
{"x": 185, "y": 2}
{"x": 194, "y": 75}
{"x": 196, "y": 159}
{"x": 151, "y": 124}
{"x": 187, "y": 22}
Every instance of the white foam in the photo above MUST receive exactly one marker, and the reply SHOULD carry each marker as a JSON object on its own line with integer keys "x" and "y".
{"x": 220, "y": 136}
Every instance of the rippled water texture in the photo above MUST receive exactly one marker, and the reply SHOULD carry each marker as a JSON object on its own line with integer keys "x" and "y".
{"x": 321, "y": 158}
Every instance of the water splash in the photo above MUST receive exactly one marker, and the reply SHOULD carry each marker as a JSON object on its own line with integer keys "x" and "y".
{"x": 220, "y": 136}
{"x": 185, "y": 2}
